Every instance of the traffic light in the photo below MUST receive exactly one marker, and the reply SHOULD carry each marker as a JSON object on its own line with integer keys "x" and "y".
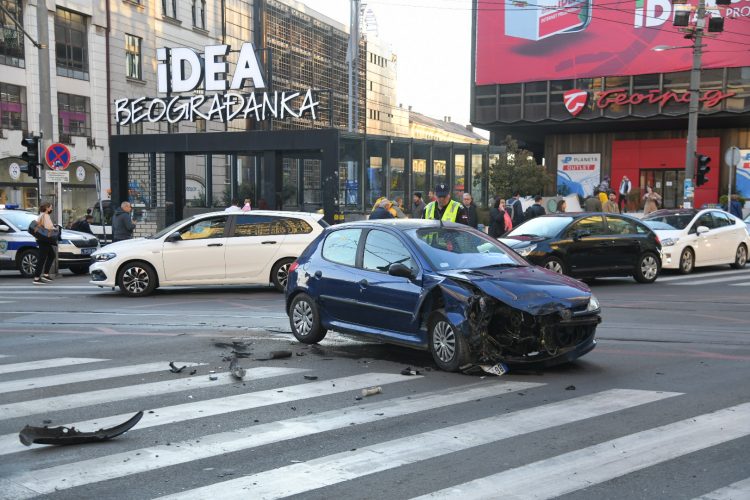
{"x": 31, "y": 156}
{"x": 703, "y": 169}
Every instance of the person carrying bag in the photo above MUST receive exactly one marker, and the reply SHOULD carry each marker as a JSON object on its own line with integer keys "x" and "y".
{"x": 47, "y": 236}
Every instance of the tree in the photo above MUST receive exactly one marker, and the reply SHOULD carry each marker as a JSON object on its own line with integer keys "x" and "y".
{"x": 516, "y": 170}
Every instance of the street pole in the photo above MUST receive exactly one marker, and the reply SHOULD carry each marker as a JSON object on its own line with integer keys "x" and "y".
{"x": 354, "y": 66}
{"x": 695, "y": 85}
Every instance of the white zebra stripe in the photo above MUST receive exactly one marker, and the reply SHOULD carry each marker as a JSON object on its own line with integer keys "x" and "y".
{"x": 340, "y": 467}
{"x": 46, "y": 363}
{"x": 596, "y": 464}
{"x": 735, "y": 491}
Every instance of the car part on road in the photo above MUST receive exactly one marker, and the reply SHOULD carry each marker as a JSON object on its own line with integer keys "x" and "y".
{"x": 409, "y": 371}
{"x": 236, "y": 370}
{"x": 173, "y": 368}
{"x": 276, "y": 355}
{"x": 71, "y": 435}
{"x": 310, "y": 377}
{"x": 498, "y": 369}
{"x": 371, "y": 391}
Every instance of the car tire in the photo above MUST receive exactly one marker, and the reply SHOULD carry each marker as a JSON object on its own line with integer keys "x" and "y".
{"x": 555, "y": 265}
{"x": 79, "y": 269}
{"x": 305, "y": 320}
{"x": 448, "y": 347}
{"x": 647, "y": 269}
{"x": 136, "y": 279}
{"x": 740, "y": 258}
{"x": 687, "y": 261}
{"x": 27, "y": 262}
{"x": 280, "y": 274}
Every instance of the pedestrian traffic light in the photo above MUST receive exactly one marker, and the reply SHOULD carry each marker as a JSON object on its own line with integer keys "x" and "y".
{"x": 703, "y": 169}
{"x": 31, "y": 156}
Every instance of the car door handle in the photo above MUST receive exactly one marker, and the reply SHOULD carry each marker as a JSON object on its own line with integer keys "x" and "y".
{"x": 363, "y": 283}
{"x": 268, "y": 243}
{"x": 318, "y": 275}
{"x": 216, "y": 244}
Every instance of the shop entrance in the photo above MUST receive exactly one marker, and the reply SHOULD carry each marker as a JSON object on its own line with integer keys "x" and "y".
{"x": 668, "y": 183}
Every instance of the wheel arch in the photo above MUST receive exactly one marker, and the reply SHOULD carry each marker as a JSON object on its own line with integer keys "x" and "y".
{"x": 275, "y": 263}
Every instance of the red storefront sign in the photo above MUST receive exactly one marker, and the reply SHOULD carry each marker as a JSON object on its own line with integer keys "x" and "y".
{"x": 575, "y": 99}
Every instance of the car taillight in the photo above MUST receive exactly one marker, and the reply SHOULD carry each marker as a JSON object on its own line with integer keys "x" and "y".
{"x": 294, "y": 266}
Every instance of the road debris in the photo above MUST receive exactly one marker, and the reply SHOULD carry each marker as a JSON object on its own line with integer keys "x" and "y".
{"x": 193, "y": 372}
{"x": 173, "y": 368}
{"x": 570, "y": 388}
{"x": 409, "y": 371}
{"x": 236, "y": 370}
{"x": 372, "y": 391}
{"x": 498, "y": 369}
{"x": 212, "y": 375}
{"x": 276, "y": 355}
{"x": 71, "y": 435}
{"x": 311, "y": 377}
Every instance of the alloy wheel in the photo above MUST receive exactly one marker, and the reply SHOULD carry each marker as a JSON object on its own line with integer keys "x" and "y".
{"x": 741, "y": 258}
{"x": 649, "y": 267}
{"x": 302, "y": 317}
{"x": 687, "y": 261}
{"x": 135, "y": 280}
{"x": 554, "y": 266}
{"x": 28, "y": 263}
{"x": 282, "y": 275}
{"x": 444, "y": 341}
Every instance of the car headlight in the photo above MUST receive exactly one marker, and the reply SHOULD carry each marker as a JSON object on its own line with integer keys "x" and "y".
{"x": 668, "y": 242}
{"x": 523, "y": 252}
{"x": 593, "y": 304}
{"x": 103, "y": 257}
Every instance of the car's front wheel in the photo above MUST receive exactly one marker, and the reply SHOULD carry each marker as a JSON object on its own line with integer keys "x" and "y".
{"x": 687, "y": 261}
{"x": 280, "y": 274}
{"x": 447, "y": 346}
{"x": 647, "y": 268}
{"x": 305, "y": 320}
{"x": 740, "y": 258}
{"x": 136, "y": 279}
{"x": 27, "y": 262}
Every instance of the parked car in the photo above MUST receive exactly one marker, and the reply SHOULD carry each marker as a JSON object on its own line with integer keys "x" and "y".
{"x": 442, "y": 287}
{"x": 18, "y": 248}
{"x": 589, "y": 245}
{"x": 219, "y": 248}
{"x": 695, "y": 238}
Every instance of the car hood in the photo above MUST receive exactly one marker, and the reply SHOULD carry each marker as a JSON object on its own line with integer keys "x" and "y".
{"x": 521, "y": 241}
{"x": 672, "y": 233}
{"x": 69, "y": 234}
{"x": 529, "y": 288}
{"x": 131, "y": 246}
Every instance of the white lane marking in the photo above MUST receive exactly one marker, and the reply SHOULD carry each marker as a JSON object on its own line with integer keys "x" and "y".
{"x": 71, "y": 378}
{"x": 6, "y": 355}
{"x": 199, "y": 409}
{"x": 70, "y": 401}
{"x": 182, "y": 315}
{"x": 740, "y": 284}
{"x": 49, "y": 286}
{"x": 727, "y": 280}
{"x": 735, "y": 491}
{"x": 596, "y": 464}
{"x": 714, "y": 274}
{"x": 136, "y": 461}
{"x": 46, "y": 363}
{"x": 299, "y": 478}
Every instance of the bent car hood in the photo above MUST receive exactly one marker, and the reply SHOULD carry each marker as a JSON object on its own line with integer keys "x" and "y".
{"x": 530, "y": 288}
{"x": 521, "y": 241}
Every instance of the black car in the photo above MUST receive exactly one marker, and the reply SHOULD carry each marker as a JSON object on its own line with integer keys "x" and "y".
{"x": 442, "y": 287}
{"x": 589, "y": 245}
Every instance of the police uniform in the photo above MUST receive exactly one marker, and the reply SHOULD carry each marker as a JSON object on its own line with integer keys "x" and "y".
{"x": 452, "y": 212}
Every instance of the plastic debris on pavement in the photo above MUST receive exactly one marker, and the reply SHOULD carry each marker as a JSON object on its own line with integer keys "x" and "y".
{"x": 498, "y": 369}
{"x": 371, "y": 391}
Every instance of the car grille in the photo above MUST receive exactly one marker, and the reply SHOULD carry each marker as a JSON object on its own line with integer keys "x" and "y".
{"x": 91, "y": 242}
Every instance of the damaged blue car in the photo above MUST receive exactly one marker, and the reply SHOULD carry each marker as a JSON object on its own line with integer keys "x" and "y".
{"x": 442, "y": 287}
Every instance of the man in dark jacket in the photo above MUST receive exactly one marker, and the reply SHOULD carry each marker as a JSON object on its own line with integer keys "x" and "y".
{"x": 83, "y": 224}
{"x": 122, "y": 223}
{"x": 417, "y": 205}
{"x": 381, "y": 211}
{"x": 592, "y": 203}
{"x": 471, "y": 210}
{"x": 536, "y": 209}
{"x": 517, "y": 208}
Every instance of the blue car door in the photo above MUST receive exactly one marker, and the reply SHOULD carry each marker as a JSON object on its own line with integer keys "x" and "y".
{"x": 389, "y": 302}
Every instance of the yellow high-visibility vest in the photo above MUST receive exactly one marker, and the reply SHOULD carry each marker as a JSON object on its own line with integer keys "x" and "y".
{"x": 450, "y": 214}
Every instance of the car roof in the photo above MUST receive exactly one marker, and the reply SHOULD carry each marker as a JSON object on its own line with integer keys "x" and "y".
{"x": 281, "y": 213}
{"x": 673, "y": 211}
{"x": 401, "y": 224}
{"x": 580, "y": 215}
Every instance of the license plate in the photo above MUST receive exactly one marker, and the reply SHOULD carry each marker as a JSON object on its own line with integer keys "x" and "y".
{"x": 88, "y": 251}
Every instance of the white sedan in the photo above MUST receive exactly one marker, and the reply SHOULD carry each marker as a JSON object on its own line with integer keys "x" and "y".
{"x": 220, "y": 248}
{"x": 695, "y": 238}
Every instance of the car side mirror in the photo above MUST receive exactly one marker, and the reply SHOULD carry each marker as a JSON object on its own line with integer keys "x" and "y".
{"x": 702, "y": 230}
{"x": 173, "y": 238}
{"x": 582, "y": 233}
{"x": 400, "y": 270}
{"x": 4, "y": 228}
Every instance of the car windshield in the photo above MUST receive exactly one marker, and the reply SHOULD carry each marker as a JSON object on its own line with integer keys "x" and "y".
{"x": 674, "y": 221}
{"x": 20, "y": 219}
{"x": 454, "y": 248}
{"x": 543, "y": 227}
{"x": 169, "y": 229}
{"x": 658, "y": 226}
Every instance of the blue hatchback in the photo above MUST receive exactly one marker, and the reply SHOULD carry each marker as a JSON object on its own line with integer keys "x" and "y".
{"x": 442, "y": 287}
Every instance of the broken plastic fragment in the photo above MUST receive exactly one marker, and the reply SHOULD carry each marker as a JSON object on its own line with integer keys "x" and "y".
{"x": 236, "y": 370}
{"x": 173, "y": 368}
{"x": 71, "y": 435}
{"x": 498, "y": 369}
{"x": 276, "y": 355}
{"x": 372, "y": 391}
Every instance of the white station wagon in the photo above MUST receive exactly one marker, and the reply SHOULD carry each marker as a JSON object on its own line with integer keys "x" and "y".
{"x": 219, "y": 248}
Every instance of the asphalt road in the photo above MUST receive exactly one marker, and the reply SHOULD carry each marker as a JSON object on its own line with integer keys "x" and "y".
{"x": 660, "y": 409}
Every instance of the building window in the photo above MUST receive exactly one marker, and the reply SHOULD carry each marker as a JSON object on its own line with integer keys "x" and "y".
{"x": 199, "y": 14}
{"x": 12, "y": 107}
{"x": 135, "y": 128}
{"x": 169, "y": 8}
{"x": 71, "y": 45}
{"x": 11, "y": 43}
{"x": 133, "y": 57}
{"x": 74, "y": 116}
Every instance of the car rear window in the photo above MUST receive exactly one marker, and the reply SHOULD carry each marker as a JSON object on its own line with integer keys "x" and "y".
{"x": 341, "y": 246}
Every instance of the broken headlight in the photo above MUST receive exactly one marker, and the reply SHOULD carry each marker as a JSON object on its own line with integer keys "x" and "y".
{"x": 523, "y": 252}
{"x": 593, "y": 304}
{"x": 103, "y": 257}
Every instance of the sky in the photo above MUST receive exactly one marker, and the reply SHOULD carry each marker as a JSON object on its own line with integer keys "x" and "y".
{"x": 432, "y": 40}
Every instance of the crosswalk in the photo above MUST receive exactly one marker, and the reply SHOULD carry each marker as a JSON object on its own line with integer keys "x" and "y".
{"x": 28, "y": 472}
{"x": 730, "y": 277}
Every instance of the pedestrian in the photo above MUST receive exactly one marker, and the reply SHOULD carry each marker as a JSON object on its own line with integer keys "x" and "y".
{"x": 624, "y": 191}
{"x": 651, "y": 200}
{"x": 123, "y": 223}
{"x": 498, "y": 218}
{"x": 417, "y": 205}
{"x": 247, "y": 206}
{"x": 382, "y": 210}
{"x": 431, "y": 196}
{"x": 610, "y": 206}
{"x": 444, "y": 208}
{"x": 735, "y": 207}
{"x": 45, "y": 246}
{"x": 83, "y": 225}
{"x": 562, "y": 206}
{"x": 592, "y": 203}
{"x": 535, "y": 210}
{"x": 471, "y": 210}
{"x": 234, "y": 206}
{"x": 603, "y": 197}
{"x": 517, "y": 208}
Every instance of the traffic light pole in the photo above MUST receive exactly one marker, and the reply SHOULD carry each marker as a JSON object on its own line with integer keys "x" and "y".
{"x": 693, "y": 107}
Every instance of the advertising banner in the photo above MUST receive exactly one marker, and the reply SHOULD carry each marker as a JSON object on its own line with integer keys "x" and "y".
{"x": 533, "y": 40}
{"x": 578, "y": 173}
{"x": 743, "y": 173}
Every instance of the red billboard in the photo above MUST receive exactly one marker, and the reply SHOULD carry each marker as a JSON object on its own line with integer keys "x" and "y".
{"x": 535, "y": 40}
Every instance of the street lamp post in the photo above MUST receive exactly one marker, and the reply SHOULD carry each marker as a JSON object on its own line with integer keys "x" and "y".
{"x": 695, "y": 86}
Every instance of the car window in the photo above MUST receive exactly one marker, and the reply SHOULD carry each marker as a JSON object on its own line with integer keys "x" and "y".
{"x": 704, "y": 220}
{"x": 451, "y": 248}
{"x": 383, "y": 249}
{"x": 20, "y": 219}
{"x": 10, "y": 229}
{"x": 675, "y": 221}
{"x": 618, "y": 225}
{"x": 296, "y": 226}
{"x": 721, "y": 219}
{"x": 212, "y": 227}
{"x": 258, "y": 225}
{"x": 544, "y": 227}
{"x": 341, "y": 246}
{"x": 593, "y": 224}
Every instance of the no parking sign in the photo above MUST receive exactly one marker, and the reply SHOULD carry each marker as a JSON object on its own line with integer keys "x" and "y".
{"x": 58, "y": 156}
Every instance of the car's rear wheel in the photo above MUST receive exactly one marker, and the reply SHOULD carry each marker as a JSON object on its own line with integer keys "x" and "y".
{"x": 79, "y": 269}
{"x": 687, "y": 261}
{"x": 27, "y": 262}
{"x": 740, "y": 258}
{"x": 136, "y": 279}
{"x": 555, "y": 265}
{"x": 305, "y": 320}
{"x": 647, "y": 268}
{"x": 447, "y": 346}
{"x": 280, "y": 274}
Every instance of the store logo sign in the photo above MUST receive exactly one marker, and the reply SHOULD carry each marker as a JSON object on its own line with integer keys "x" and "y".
{"x": 575, "y": 101}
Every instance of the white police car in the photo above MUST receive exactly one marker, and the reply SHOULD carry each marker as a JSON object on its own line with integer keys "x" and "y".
{"x": 18, "y": 248}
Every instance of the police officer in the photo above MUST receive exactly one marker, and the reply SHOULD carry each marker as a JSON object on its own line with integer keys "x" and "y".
{"x": 445, "y": 209}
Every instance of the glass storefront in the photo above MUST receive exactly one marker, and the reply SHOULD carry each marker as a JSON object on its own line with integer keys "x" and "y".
{"x": 17, "y": 188}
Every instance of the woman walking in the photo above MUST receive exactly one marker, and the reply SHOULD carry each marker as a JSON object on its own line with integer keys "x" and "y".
{"x": 46, "y": 252}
